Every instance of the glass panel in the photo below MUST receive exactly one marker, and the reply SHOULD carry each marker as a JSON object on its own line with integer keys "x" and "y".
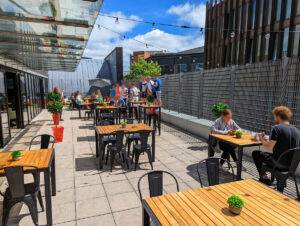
{"x": 24, "y": 99}
{"x": 285, "y": 41}
{"x": 296, "y": 41}
{"x": 4, "y": 126}
{"x": 288, "y": 9}
{"x": 298, "y": 7}
{"x": 278, "y": 9}
{"x": 258, "y": 48}
{"x": 253, "y": 13}
{"x": 261, "y": 14}
{"x": 269, "y": 11}
{"x": 276, "y": 47}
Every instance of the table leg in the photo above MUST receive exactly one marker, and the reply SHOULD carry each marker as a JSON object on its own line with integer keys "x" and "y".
{"x": 239, "y": 164}
{"x": 159, "y": 121}
{"x": 53, "y": 176}
{"x": 139, "y": 114}
{"x": 48, "y": 197}
{"x": 79, "y": 110}
{"x": 100, "y": 143}
{"x": 146, "y": 218}
{"x": 153, "y": 145}
{"x": 144, "y": 113}
{"x": 96, "y": 143}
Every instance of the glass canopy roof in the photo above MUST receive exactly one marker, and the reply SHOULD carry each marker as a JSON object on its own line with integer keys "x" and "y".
{"x": 46, "y": 34}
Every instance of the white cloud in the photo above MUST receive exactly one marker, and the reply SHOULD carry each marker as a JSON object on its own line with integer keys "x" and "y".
{"x": 192, "y": 14}
{"x": 102, "y": 42}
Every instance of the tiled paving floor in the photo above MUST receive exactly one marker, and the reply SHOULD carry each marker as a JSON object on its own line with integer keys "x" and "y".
{"x": 86, "y": 196}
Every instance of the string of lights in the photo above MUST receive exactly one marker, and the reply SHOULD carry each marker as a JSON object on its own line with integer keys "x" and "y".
{"x": 122, "y": 36}
{"x": 202, "y": 30}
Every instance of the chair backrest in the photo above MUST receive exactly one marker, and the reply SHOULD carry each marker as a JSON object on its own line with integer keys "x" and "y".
{"x": 15, "y": 179}
{"x": 155, "y": 181}
{"x": 144, "y": 135}
{"x": 289, "y": 159}
{"x": 210, "y": 168}
{"x": 45, "y": 140}
{"x": 119, "y": 139}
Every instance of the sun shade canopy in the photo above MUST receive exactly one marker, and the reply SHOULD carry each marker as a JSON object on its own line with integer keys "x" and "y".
{"x": 46, "y": 34}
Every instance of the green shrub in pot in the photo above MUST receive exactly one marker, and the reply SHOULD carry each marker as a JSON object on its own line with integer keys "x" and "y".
{"x": 236, "y": 203}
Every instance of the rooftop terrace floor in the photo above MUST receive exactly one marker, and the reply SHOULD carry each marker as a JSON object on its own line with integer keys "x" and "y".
{"x": 86, "y": 196}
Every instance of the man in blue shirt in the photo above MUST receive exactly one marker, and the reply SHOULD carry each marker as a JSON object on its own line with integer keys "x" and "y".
{"x": 157, "y": 88}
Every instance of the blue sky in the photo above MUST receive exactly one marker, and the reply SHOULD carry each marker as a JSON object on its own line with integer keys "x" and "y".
{"x": 182, "y": 12}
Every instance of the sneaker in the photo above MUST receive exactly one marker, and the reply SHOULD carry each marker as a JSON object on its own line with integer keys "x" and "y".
{"x": 265, "y": 181}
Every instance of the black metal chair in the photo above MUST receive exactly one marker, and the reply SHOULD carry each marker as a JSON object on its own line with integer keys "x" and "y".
{"x": 135, "y": 137}
{"x": 155, "y": 181}
{"x": 17, "y": 191}
{"x": 45, "y": 140}
{"x": 210, "y": 168}
{"x": 90, "y": 113}
{"x": 284, "y": 168}
{"x": 117, "y": 148}
{"x": 138, "y": 149}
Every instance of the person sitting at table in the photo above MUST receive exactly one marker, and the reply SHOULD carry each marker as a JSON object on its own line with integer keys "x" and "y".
{"x": 284, "y": 136}
{"x": 98, "y": 96}
{"x": 225, "y": 125}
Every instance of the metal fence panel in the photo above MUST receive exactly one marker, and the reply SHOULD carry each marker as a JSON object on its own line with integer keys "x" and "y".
{"x": 252, "y": 91}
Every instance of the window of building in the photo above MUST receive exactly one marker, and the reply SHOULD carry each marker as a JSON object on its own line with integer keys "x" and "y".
{"x": 266, "y": 47}
{"x": 276, "y": 47}
{"x": 285, "y": 41}
{"x": 253, "y": 14}
{"x": 278, "y": 9}
{"x": 288, "y": 6}
{"x": 199, "y": 67}
{"x": 298, "y": 7}
{"x": 183, "y": 68}
{"x": 295, "y": 50}
{"x": 245, "y": 16}
{"x": 269, "y": 5}
{"x": 261, "y": 14}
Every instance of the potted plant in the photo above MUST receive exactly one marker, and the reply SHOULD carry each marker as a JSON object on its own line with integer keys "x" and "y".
{"x": 150, "y": 99}
{"x": 238, "y": 134}
{"x": 16, "y": 155}
{"x": 124, "y": 124}
{"x": 54, "y": 106}
{"x": 218, "y": 109}
{"x": 235, "y": 203}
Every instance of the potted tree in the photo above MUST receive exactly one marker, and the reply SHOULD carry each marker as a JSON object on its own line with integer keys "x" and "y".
{"x": 218, "y": 109}
{"x": 54, "y": 106}
{"x": 235, "y": 203}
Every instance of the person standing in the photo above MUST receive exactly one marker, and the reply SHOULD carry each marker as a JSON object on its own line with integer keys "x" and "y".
{"x": 143, "y": 87}
{"x": 284, "y": 136}
{"x": 157, "y": 89}
{"x": 124, "y": 95}
{"x": 225, "y": 125}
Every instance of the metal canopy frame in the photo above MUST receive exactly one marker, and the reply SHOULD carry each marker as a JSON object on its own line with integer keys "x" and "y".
{"x": 46, "y": 34}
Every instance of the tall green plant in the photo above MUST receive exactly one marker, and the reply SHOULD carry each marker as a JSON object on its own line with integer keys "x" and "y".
{"x": 54, "y": 103}
{"x": 142, "y": 68}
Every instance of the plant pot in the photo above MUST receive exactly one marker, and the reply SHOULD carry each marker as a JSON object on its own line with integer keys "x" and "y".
{"x": 123, "y": 126}
{"x": 16, "y": 158}
{"x": 238, "y": 136}
{"x": 58, "y": 133}
{"x": 56, "y": 119}
{"x": 234, "y": 210}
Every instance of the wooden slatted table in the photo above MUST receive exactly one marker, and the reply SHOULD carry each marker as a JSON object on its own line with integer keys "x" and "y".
{"x": 208, "y": 206}
{"x": 44, "y": 160}
{"x": 101, "y": 131}
{"x": 144, "y": 107}
{"x": 240, "y": 143}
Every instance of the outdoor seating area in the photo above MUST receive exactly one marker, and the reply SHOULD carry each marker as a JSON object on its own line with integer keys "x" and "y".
{"x": 91, "y": 178}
